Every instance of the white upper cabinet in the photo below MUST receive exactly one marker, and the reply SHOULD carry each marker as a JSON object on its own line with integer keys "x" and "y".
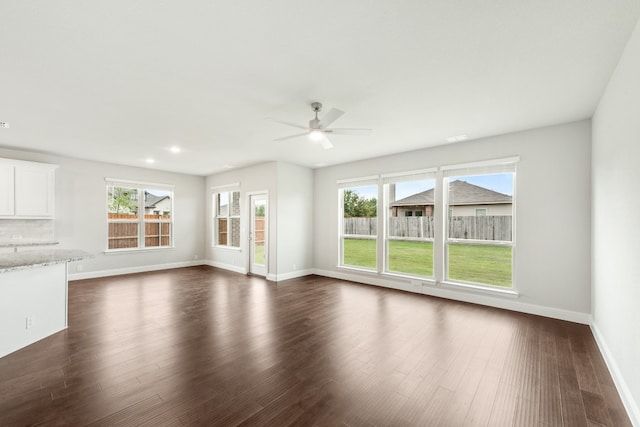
{"x": 6, "y": 190}
{"x": 27, "y": 189}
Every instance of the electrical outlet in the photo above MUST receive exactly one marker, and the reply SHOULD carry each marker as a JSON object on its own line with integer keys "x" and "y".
{"x": 195, "y": 256}
{"x": 16, "y": 237}
{"x": 294, "y": 267}
{"x": 79, "y": 267}
{"x": 29, "y": 322}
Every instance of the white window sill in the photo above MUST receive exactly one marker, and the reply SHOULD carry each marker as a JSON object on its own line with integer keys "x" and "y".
{"x": 229, "y": 248}
{"x": 512, "y": 293}
{"x": 136, "y": 250}
{"x": 413, "y": 278}
{"x": 357, "y": 269}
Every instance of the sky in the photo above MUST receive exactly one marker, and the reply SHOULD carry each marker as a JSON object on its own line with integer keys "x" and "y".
{"x": 502, "y": 183}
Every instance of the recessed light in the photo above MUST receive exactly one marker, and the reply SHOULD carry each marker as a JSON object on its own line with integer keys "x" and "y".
{"x": 227, "y": 167}
{"x": 175, "y": 149}
{"x": 150, "y": 161}
{"x": 457, "y": 138}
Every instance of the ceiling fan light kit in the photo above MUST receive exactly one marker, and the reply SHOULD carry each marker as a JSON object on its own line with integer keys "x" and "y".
{"x": 318, "y": 129}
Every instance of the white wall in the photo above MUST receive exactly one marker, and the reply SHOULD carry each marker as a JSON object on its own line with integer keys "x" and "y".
{"x": 295, "y": 220}
{"x": 553, "y": 203}
{"x": 80, "y": 220}
{"x": 616, "y": 228}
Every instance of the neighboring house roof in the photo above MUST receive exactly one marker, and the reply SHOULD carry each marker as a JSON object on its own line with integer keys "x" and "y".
{"x": 460, "y": 193}
{"x": 151, "y": 200}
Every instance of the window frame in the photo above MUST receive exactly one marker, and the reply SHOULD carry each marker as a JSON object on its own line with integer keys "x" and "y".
{"x": 346, "y": 185}
{"x": 508, "y": 165}
{"x": 215, "y": 242}
{"x": 442, "y": 214}
{"x": 398, "y": 178}
{"x": 140, "y": 188}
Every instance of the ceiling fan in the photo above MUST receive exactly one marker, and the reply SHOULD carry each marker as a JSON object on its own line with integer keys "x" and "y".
{"x": 318, "y": 129}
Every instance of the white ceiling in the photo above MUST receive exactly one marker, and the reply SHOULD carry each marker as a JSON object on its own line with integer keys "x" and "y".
{"x": 121, "y": 80}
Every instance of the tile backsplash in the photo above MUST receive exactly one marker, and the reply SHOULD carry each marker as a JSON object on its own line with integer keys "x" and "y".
{"x": 26, "y": 230}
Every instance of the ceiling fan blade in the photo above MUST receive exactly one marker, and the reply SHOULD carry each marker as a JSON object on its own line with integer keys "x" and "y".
{"x": 326, "y": 144}
{"x": 349, "y": 131}
{"x": 331, "y": 116}
{"x": 286, "y": 123}
{"x": 292, "y": 136}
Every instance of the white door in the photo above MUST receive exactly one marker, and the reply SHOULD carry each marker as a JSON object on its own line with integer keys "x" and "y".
{"x": 258, "y": 253}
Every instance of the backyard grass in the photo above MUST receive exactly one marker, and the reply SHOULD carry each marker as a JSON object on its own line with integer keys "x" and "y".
{"x": 259, "y": 254}
{"x": 411, "y": 257}
{"x": 489, "y": 265}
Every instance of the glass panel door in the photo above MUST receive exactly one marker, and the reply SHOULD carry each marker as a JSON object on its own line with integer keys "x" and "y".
{"x": 258, "y": 235}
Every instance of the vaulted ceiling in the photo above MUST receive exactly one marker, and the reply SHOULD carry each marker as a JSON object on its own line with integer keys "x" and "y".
{"x": 123, "y": 81}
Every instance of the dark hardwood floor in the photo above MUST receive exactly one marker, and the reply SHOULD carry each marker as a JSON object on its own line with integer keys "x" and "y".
{"x": 203, "y": 346}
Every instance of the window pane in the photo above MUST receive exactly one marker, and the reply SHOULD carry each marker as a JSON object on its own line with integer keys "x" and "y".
{"x": 123, "y": 235}
{"x": 223, "y": 203}
{"x": 489, "y": 265}
{"x": 158, "y": 204}
{"x": 360, "y": 226}
{"x": 157, "y": 217}
{"x": 157, "y": 234}
{"x": 222, "y": 231}
{"x": 235, "y": 233}
{"x": 259, "y": 229}
{"x": 359, "y": 252}
{"x": 235, "y": 203}
{"x": 410, "y": 227}
{"x": 122, "y": 203}
{"x": 480, "y": 207}
{"x": 411, "y": 257}
{"x": 122, "y": 209}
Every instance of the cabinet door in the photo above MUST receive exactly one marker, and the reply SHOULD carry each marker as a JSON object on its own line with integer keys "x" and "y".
{"x": 6, "y": 190}
{"x": 34, "y": 187}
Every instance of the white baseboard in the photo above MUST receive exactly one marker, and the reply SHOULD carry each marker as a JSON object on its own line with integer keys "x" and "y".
{"x": 625, "y": 394}
{"x": 507, "y": 303}
{"x": 130, "y": 270}
{"x": 224, "y": 266}
{"x": 290, "y": 275}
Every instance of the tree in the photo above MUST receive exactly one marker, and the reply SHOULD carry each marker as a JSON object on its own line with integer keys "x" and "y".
{"x": 356, "y": 205}
{"x": 123, "y": 200}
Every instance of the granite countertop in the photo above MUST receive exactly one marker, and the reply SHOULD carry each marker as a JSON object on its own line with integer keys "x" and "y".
{"x": 19, "y": 243}
{"x": 39, "y": 258}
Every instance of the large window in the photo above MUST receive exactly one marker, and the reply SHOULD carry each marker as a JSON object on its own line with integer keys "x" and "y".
{"x": 410, "y": 224}
{"x": 227, "y": 218}
{"x": 479, "y": 227}
{"x": 139, "y": 216}
{"x": 359, "y": 225}
{"x": 452, "y": 225}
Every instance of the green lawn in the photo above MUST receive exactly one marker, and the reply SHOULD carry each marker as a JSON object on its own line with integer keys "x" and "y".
{"x": 411, "y": 257}
{"x": 360, "y": 253}
{"x": 259, "y": 254}
{"x": 490, "y": 265}
{"x": 470, "y": 263}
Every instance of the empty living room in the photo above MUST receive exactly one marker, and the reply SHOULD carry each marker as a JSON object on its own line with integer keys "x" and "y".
{"x": 417, "y": 213}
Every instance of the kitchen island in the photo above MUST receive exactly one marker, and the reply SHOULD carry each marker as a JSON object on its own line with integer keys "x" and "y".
{"x": 33, "y": 295}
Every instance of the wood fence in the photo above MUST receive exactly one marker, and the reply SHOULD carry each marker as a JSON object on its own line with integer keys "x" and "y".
{"x": 498, "y": 227}
{"x": 122, "y": 235}
{"x": 259, "y": 231}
